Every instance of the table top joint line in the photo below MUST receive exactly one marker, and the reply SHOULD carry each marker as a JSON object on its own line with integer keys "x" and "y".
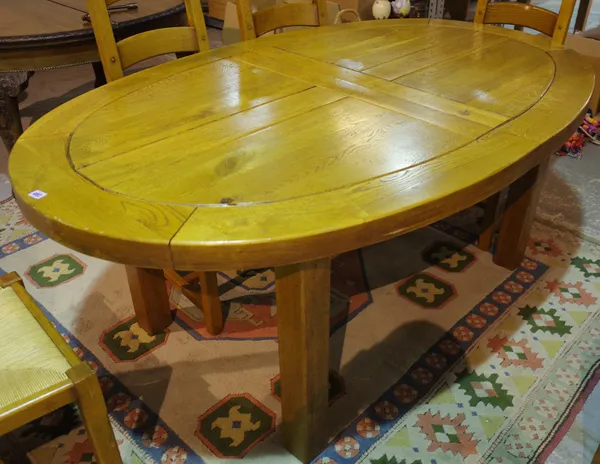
{"x": 240, "y": 58}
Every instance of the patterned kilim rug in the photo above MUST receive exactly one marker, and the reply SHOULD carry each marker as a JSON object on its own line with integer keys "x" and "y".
{"x": 438, "y": 356}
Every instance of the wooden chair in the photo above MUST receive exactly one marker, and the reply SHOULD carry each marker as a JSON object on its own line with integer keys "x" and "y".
{"x": 254, "y": 25}
{"x": 39, "y": 372}
{"x": 524, "y": 15}
{"x": 202, "y": 289}
{"x": 533, "y": 17}
{"x": 118, "y": 56}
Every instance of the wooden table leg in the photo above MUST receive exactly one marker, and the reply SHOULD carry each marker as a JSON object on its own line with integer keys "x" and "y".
{"x": 303, "y": 312}
{"x": 211, "y": 305}
{"x": 488, "y": 223}
{"x": 150, "y": 298}
{"x": 518, "y": 217}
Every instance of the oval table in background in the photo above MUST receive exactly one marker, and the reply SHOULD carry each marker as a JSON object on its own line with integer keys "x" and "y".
{"x": 289, "y": 149}
{"x": 43, "y": 34}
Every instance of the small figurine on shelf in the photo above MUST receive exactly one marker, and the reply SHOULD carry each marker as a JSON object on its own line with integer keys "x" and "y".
{"x": 381, "y": 9}
{"x": 401, "y": 8}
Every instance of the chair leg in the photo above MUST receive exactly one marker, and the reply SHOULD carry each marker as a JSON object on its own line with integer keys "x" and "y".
{"x": 207, "y": 299}
{"x": 211, "y": 305}
{"x": 94, "y": 413}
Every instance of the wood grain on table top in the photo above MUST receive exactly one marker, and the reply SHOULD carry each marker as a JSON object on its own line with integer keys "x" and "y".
{"x": 299, "y": 145}
{"x": 33, "y": 17}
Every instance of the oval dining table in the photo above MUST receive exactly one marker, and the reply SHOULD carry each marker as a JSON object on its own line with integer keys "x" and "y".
{"x": 287, "y": 150}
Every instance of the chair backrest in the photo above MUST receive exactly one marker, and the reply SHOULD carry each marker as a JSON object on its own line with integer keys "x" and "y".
{"x": 533, "y": 17}
{"x": 256, "y": 24}
{"x": 117, "y": 56}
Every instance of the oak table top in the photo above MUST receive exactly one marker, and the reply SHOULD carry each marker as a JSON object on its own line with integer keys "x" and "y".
{"x": 297, "y": 146}
{"x": 286, "y": 150}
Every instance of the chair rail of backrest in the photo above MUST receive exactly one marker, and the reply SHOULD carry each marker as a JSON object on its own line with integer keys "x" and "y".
{"x": 533, "y": 17}
{"x": 135, "y": 48}
{"x": 118, "y": 56}
{"x": 256, "y": 24}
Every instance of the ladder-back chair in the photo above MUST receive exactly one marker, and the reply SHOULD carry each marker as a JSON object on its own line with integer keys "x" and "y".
{"x": 200, "y": 287}
{"x": 118, "y": 56}
{"x": 525, "y": 15}
{"x": 255, "y": 24}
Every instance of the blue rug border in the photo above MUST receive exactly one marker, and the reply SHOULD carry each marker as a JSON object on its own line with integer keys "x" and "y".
{"x": 20, "y": 242}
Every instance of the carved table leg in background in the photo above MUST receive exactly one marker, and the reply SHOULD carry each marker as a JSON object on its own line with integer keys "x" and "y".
{"x": 11, "y": 85}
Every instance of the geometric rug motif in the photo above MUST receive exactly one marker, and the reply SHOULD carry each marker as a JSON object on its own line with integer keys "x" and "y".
{"x": 236, "y": 424}
{"x": 482, "y": 389}
{"x": 127, "y": 341}
{"x": 54, "y": 271}
{"x": 588, "y": 267}
{"x": 571, "y": 292}
{"x": 545, "y": 320}
{"x": 514, "y": 353}
{"x": 426, "y": 290}
{"x": 447, "y": 434}
{"x": 449, "y": 256}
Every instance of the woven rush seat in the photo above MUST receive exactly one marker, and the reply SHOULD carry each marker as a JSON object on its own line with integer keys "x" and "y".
{"x": 29, "y": 362}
